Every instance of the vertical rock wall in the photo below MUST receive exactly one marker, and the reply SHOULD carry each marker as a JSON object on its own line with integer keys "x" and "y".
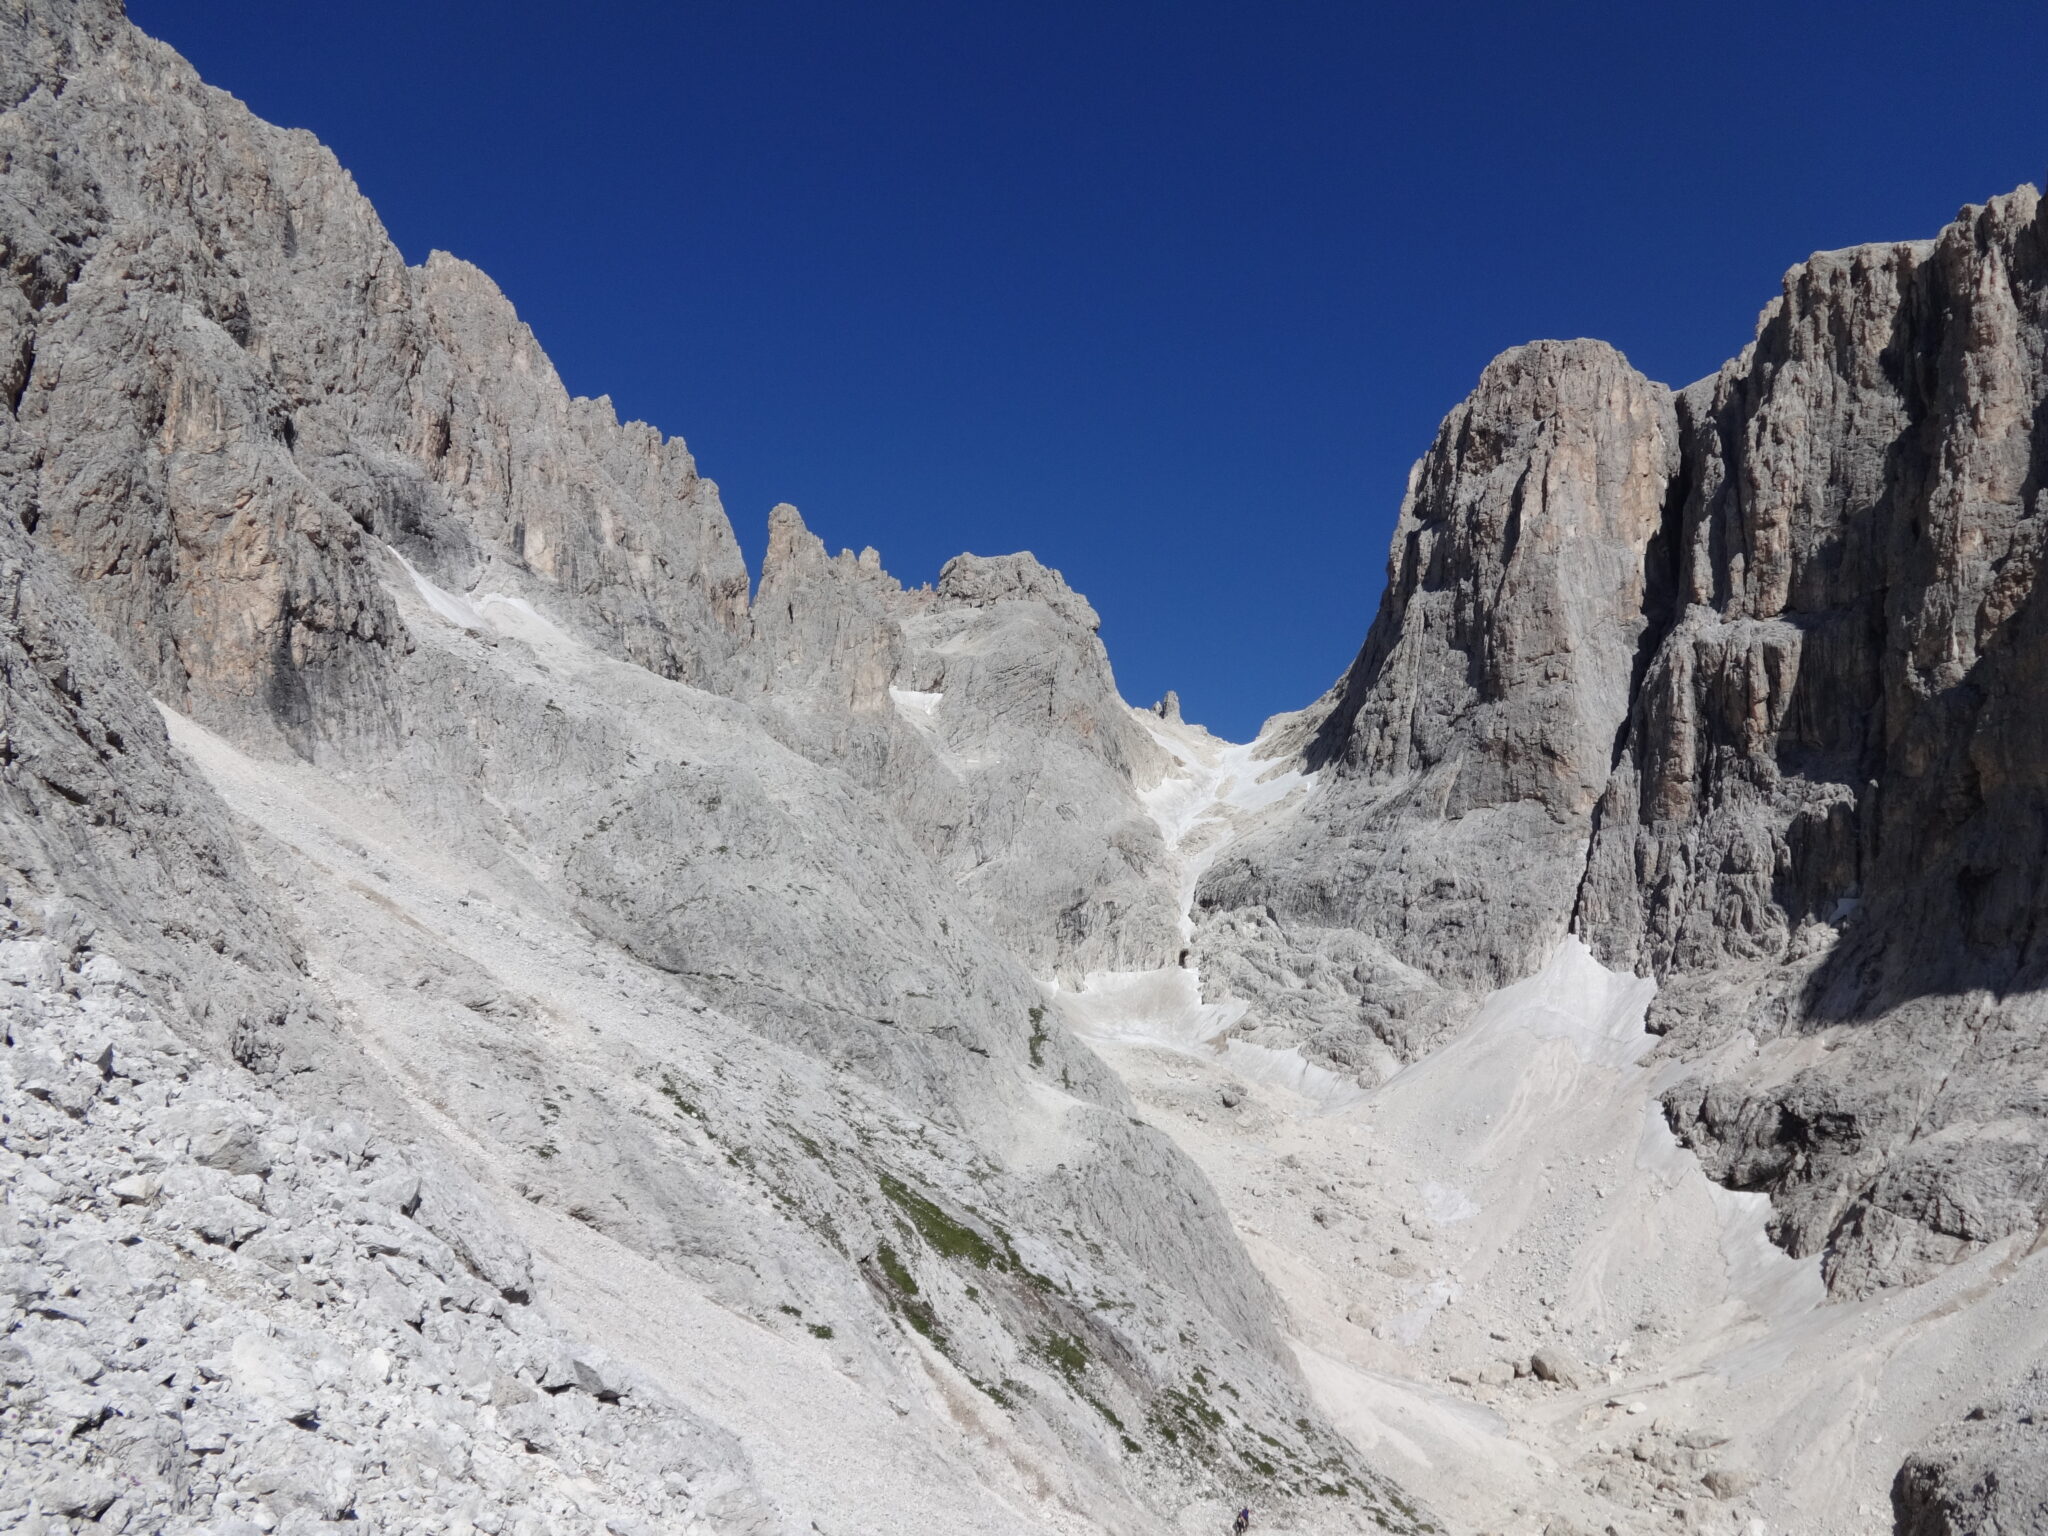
{"x": 1465, "y": 749}
{"x": 1746, "y": 685}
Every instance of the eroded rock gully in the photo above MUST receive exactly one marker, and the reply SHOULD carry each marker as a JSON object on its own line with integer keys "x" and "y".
{"x": 509, "y": 1030}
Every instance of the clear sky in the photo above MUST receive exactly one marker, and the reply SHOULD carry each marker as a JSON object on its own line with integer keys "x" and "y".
{"x": 1170, "y": 292}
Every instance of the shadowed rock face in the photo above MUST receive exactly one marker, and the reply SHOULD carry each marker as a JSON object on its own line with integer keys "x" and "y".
{"x": 1831, "y": 810}
{"x": 1985, "y": 1473}
{"x": 110, "y": 844}
{"x": 1849, "y": 678}
{"x": 230, "y": 383}
{"x": 1748, "y": 687}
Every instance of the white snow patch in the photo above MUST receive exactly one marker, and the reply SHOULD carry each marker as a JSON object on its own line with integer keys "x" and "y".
{"x": 1162, "y": 1007}
{"x": 1289, "y": 1069}
{"x": 1447, "y": 1206}
{"x": 1215, "y": 787}
{"x": 914, "y": 704}
{"x": 456, "y": 610}
{"x": 492, "y": 613}
{"x": 1408, "y": 1327}
{"x": 1393, "y": 1419}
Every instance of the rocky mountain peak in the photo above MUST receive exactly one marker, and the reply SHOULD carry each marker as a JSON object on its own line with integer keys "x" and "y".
{"x": 982, "y": 580}
{"x": 503, "y": 1028}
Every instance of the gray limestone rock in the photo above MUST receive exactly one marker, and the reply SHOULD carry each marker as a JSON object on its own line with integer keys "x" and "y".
{"x": 1741, "y": 685}
{"x": 984, "y": 712}
{"x": 1463, "y": 753}
{"x": 1555, "y": 1366}
{"x": 589, "y": 926}
{"x": 1825, "y": 819}
{"x": 109, "y": 843}
{"x": 1987, "y": 1473}
{"x": 447, "y": 914}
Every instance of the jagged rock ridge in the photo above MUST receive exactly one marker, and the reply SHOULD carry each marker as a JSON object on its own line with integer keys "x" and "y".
{"x": 697, "y": 939}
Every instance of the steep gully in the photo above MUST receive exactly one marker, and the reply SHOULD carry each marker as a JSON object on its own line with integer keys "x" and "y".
{"x": 1542, "y": 1211}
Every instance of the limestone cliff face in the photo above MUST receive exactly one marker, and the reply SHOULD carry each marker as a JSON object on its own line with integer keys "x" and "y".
{"x": 1830, "y": 813}
{"x": 1747, "y": 687}
{"x": 705, "y": 933}
{"x": 110, "y": 846}
{"x": 1028, "y": 795}
{"x": 985, "y": 711}
{"x": 697, "y": 935}
{"x": 226, "y": 385}
{"x": 1464, "y": 751}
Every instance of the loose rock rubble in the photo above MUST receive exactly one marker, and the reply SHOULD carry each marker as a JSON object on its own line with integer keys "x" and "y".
{"x": 219, "y": 1313}
{"x": 737, "y": 952}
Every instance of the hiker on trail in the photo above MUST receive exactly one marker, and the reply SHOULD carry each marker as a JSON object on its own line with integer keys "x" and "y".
{"x": 1242, "y": 1523}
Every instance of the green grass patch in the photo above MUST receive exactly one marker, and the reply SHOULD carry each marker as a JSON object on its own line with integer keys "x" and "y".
{"x": 1065, "y": 1353}
{"x": 671, "y": 1091}
{"x": 1176, "y": 1416}
{"x": 1103, "y": 1408}
{"x": 1039, "y": 1036}
{"x": 947, "y": 1238}
{"x": 893, "y": 1266}
{"x": 1002, "y": 1396}
{"x": 904, "y": 1296}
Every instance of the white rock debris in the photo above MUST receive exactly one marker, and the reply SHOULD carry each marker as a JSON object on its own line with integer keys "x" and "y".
{"x": 505, "y": 1029}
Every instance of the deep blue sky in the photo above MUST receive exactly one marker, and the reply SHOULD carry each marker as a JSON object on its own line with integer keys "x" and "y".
{"x": 1170, "y": 293}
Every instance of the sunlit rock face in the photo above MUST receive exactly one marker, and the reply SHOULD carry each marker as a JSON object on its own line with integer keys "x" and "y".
{"x": 1740, "y": 685}
{"x": 1829, "y": 812}
{"x": 1463, "y": 753}
{"x": 494, "y": 1006}
{"x": 1747, "y": 692}
{"x": 562, "y": 1044}
{"x": 1816, "y": 811}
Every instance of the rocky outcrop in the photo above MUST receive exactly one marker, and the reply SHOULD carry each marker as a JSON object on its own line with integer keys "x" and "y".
{"x": 1826, "y": 822}
{"x": 417, "y": 843}
{"x": 220, "y": 1309}
{"x": 110, "y": 845}
{"x": 1028, "y": 797}
{"x": 1743, "y": 686}
{"x": 984, "y": 711}
{"x": 696, "y": 938}
{"x": 1464, "y": 751}
{"x": 1987, "y": 1473}
{"x": 226, "y": 384}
